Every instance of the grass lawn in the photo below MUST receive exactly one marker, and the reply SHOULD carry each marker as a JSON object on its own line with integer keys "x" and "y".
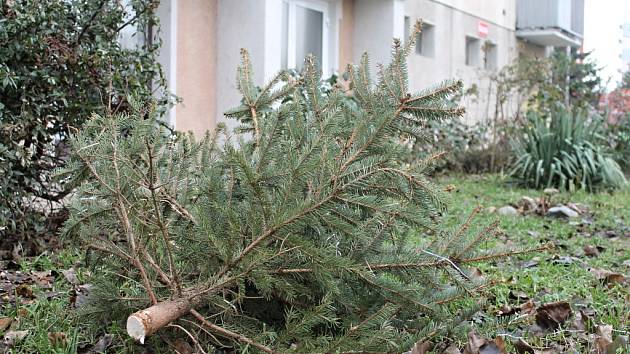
{"x": 565, "y": 273}
{"x": 46, "y": 299}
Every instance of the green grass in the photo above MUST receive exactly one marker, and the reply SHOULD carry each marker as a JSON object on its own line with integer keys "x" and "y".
{"x": 56, "y": 313}
{"x": 547, "y": 281}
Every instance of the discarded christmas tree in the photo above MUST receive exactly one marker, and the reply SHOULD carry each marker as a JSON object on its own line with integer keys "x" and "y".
{"x": 293, "y": 239}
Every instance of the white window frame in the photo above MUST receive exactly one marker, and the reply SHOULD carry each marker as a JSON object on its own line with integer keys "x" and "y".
{"x": 321, "y": 6}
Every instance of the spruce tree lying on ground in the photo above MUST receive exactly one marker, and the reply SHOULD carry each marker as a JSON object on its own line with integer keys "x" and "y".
{"x": 293, "y": 239}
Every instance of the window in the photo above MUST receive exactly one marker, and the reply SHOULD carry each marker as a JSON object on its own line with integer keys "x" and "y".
{"x": 425, "y": 42}
{"x": 490, "y": 56}
{"x": 472, "y": 51}
{"x": 130, "y": 36}
{"x": 407, "y": 28}
{"x": 304, "y": 32}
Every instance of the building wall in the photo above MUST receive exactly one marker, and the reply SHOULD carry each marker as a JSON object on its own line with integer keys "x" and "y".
{"x": 346, "y": 31}
{"x": 376, "y": 22}
{"x": 167, "y": 13}
{"x": 452, "y": 22}
{"x": 196, "y": 65}
{"x": 240, "y": 24}
{"x": 531, "y": 50}
{"x": 499, "y": 12}
{"x": 210, "y": 34}
{"x": 256, "y": 25}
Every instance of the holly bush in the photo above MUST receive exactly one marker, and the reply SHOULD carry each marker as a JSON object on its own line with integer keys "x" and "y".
{"x": 61, "y": 61}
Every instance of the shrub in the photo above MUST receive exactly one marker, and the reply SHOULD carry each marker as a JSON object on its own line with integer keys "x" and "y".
{"x": 573, "y": 81}
{"x": 564, "y": 150}
{"x": 296, "y": 239}
{"x": 468, "y": 148}
{"x": 59, "y": 62}
{"x": 619, "y": 140}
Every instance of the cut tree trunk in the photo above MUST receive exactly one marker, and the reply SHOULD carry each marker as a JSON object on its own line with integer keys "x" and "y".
{"x": 146, "y": 322}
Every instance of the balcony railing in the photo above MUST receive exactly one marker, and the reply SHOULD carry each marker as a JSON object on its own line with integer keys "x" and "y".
{"x": 558, "y": 23}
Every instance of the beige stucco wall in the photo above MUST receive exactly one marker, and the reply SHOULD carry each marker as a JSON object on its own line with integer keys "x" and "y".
{"x": 196, "y": 65}
{"x": 346, "y": 29}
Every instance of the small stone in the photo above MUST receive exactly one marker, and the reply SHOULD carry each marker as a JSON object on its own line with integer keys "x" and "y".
{"x": 491, "y": 210}
{"x": 562, "y": 211}
{"x": 507, "y": 210}
{"x": 15, "y": 335}
{"x": 533, "y": 233}
{"x": 551, "y": 191}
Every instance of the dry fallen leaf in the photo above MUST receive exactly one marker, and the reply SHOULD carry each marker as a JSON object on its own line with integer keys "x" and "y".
{"x": 25, "y": 291}
{"x": 579, "y": 321}
{"x": 528, "y": 307}
{"x": 591, "y": 251}
{"x": 71, "y": 276}
{"x": 522, "y": 347}
{"x": 450, "y": 188}
{"x": 474, "y": 343}
{"x": 22, "y": 312}
{"x": 607, "y": 276}
{"x": 5, "y": 322}
{"x": 495, "y": 347}
{"x": 552, "y": 315}
{"x": 57, "y": 338}
{"x": 519, "y": 296}
{"x": 182, "y": 347}
{"x": 507, "y": 310}
{"x": 79, "y": 295}
{"x": 604, "y": 338}
{"x": 100, "y": 346}
{"x": 477, "y": 345}
{"x": 41, "y": 275}
{"x": 421, "y": 348}
{"x": 452, "y": 349}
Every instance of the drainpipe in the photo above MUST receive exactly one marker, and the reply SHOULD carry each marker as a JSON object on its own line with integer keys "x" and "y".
{"x": 567, "y": 80}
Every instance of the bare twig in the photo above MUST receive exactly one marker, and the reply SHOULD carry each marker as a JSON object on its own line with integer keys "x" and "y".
{"x": 544, "y": 247}
{"x": 124, "y": 217}
{"x": 158, "y": 216}
{"x": 461, "y": 272}
{"x": 189, "y": 336}
{"x": 227, "y": 333}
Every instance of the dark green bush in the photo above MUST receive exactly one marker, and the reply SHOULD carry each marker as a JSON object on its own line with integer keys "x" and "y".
{"x": 59, "y": 62}
{"x": 468, "y": 148}
{"x": 565, "y": 150}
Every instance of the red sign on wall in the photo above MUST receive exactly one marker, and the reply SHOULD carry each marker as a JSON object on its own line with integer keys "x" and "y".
{"x": 482, "y": 29}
